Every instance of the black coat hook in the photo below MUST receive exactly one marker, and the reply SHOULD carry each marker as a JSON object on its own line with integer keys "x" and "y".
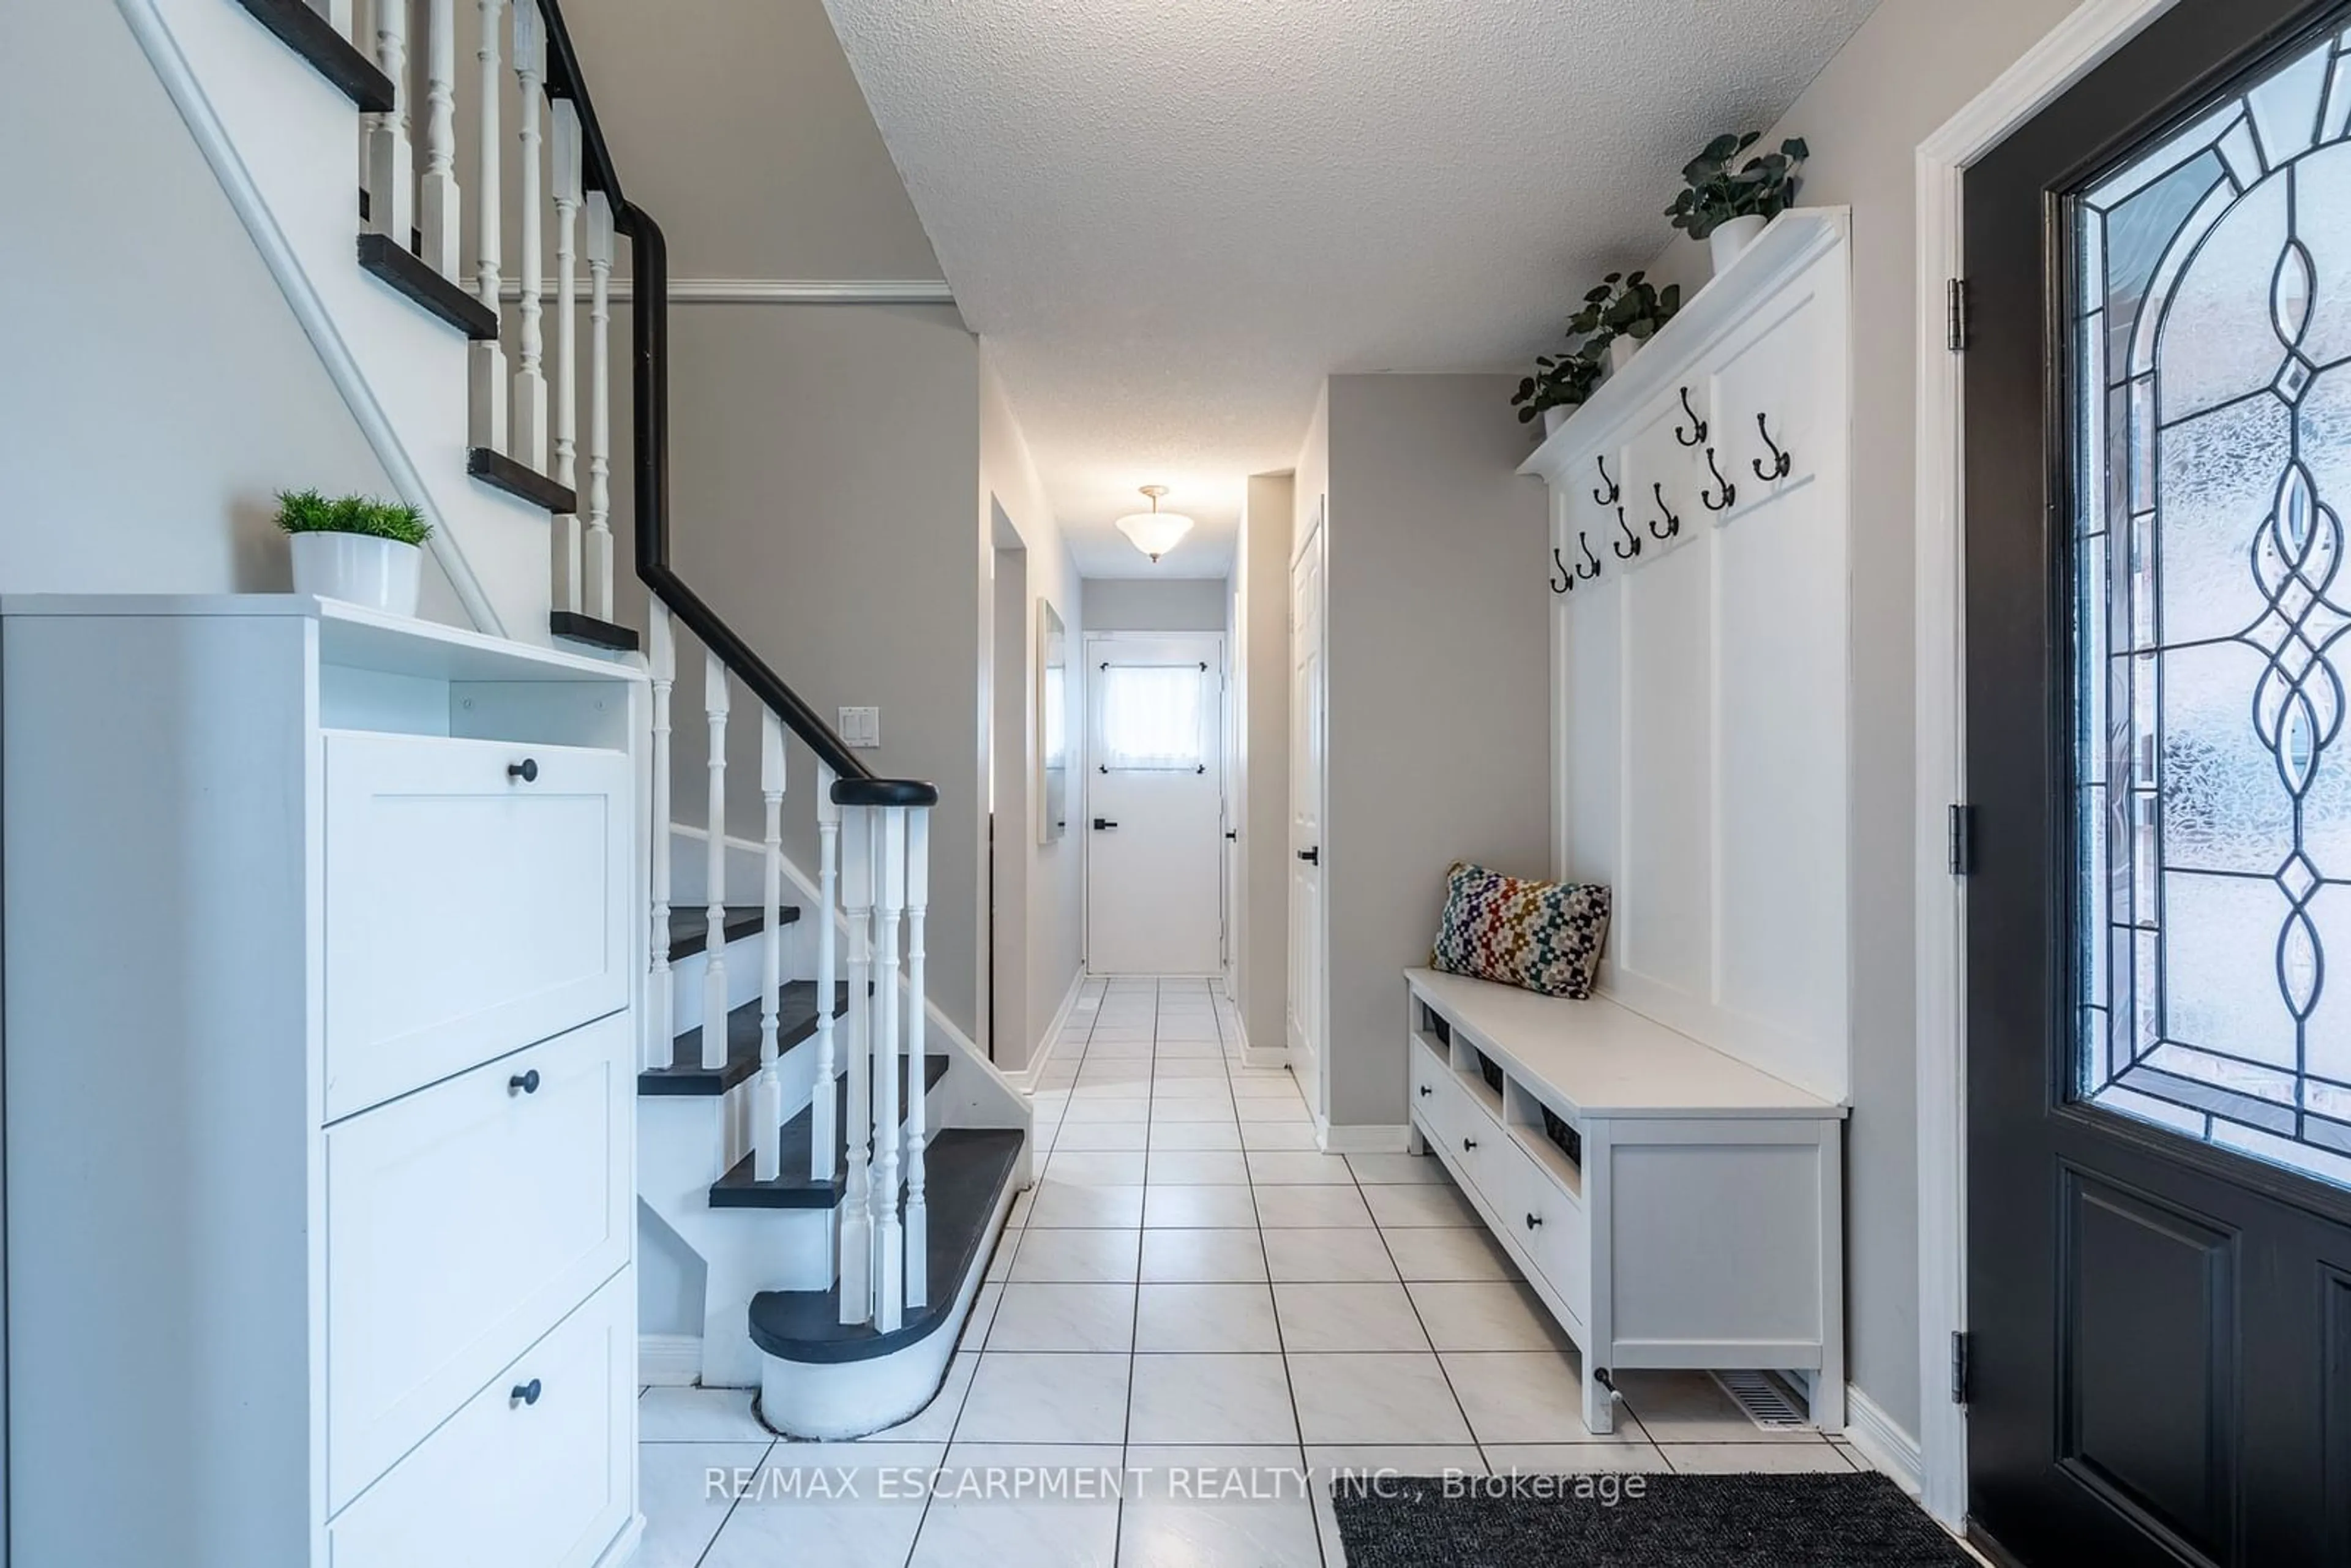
{"x": 1729, "y": 491}
{"x": 1588, "y": 568}
{"x": 1630, "y": 545}
{"x": 1781, "y": 463}
{"x": 1565, "y": 582}
{"x": 1672, "y": 524}
{"x": 1697, "y": 433}
{"x": 1610, "y": 490}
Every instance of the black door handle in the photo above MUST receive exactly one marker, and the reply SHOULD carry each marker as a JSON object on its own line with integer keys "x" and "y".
{"x": 526, "y": 770}
{"x": 1233, "y": 837}
{"x": 1312, "y": 856}
{"x": 1103, "y": 824}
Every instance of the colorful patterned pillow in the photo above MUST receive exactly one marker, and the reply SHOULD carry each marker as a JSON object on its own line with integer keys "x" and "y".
{"x": 1538, "y": 936}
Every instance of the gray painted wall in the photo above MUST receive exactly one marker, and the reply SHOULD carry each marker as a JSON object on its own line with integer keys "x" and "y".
{"x": 1911, "y": 67}
{"x": 1261, "y": 782}
{"x": 1440, "y": 741}
{"x": 1155, "y": 604}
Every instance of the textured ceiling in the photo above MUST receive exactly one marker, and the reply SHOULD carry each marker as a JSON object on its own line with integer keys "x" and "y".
{"x": 1171, "y": 218}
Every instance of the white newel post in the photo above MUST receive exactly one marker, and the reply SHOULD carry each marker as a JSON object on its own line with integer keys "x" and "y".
{"x": 889, "y": 1240}
{"x": 767, "y": 1103}
{"x": 715, "y": 700}
{"x": 441, "y": 205}
{"x": 486, "y": 361}
{"x": 528, "y": 409}
{"x": 391, "y": 166}
{"x": 569, "y": 593}
{"x": 856, "y": 1215}
{"x": 598, "y": 565}
{"x": 824, "y": 1128}
{"x": 659, "y": 1003}
{"x": 918, "y": 1215}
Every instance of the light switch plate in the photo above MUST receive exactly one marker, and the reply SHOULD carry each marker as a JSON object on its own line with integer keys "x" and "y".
{"x": 861, "y": 727}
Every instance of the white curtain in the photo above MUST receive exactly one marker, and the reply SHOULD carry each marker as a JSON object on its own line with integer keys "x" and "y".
{"x": 1152, "y": 716}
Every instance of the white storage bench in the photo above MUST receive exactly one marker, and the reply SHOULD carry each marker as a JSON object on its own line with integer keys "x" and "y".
{"x": 1677, "y": 1208}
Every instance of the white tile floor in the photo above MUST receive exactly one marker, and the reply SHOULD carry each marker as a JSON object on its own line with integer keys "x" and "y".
{"x": 1192, "y": 1308}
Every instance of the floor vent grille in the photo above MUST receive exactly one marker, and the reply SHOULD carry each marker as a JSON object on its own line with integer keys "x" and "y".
{"x": 1768, "y": 1402}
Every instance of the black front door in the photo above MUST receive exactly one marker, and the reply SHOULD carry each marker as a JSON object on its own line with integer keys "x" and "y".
{"x": 2159, "y": 720}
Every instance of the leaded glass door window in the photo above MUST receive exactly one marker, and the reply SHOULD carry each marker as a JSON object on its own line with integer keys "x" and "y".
{"x": 2211, "y": 625}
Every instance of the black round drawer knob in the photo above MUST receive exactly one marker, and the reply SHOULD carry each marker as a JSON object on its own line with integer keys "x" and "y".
{"x": 1469, "y": 1143}
{"x": 1533, "y": 1221}
{"x": 526, "y": 770}
{"x": 524, "y": 1393}
{"x": 527, "y": 1082}
{"x": 1426, "y": 1091}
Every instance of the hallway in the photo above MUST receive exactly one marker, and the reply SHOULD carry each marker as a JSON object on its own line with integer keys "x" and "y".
{"x": 1192, "y": 1308}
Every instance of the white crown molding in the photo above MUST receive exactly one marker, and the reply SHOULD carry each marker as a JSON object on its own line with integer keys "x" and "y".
{"x": 780, "y": 291}
{"x": 2070, "y": 50}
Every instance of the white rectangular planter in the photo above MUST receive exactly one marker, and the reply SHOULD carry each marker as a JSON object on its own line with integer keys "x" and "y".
{"x": 382, "y": 574}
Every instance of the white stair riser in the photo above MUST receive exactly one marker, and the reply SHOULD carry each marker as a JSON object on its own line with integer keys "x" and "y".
{"x": 742, "y": 978}
{"x": 851, "y": 1399}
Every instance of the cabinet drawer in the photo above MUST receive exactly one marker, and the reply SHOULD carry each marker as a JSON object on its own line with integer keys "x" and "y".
{"x": 1432, "y": 1091}
{"x": 510, "y": 1484}
{"x": 469, "y": 910}
{"x": 1561, "y": 1242}
{"x": 461, "y": 1221}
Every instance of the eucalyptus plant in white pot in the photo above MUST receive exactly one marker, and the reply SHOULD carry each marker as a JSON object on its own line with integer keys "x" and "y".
{"x": 1726, "y": 204}
{"x": 355, "y": 548}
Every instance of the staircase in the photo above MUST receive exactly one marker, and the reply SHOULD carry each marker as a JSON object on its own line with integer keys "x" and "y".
{"x": 842, "y": 1181}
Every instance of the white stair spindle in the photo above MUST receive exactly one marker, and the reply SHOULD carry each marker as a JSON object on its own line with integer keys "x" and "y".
{"x": 918, "y": 1214}
{"x": 440, "y": 205}
{"x": 391, "y": 166}
{"x": 889, "y": 1240}
{"x": 570, "y": 559}
{"x": 338, "y": 14}
{"x": 715, "y": 700}
{"x": 824, "y": 1128}
{"x": 598, "y": 565}
{"x": 767, "y": 1103}
{"x": 660, "y": 1017}
{"x": 486, "y": 361}
{"x": 856, "y": 1215}
{"x": 528, "y": 431}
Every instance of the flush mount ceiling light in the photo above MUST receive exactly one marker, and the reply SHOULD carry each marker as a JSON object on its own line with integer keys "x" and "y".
{"x": 1155, "y": 532}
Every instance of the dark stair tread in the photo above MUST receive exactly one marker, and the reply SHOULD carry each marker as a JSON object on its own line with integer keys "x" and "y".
{"x": 689, "y": 929}
{"x": 300, "y": 28}
{"x": 795, "y": 1021}
{"x": 578, "y": 628}
{"x": 414, "y": 277}
{"x": 740, "y": 1189}
{"x": 969, "y": 1168}
{"x": 520, "y": 480}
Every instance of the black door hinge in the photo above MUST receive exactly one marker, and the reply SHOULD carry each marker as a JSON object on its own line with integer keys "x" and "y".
{"x": 1960, "y": 1365}
{"x": 1963, "y": 841}
{"x": 1959, "y": 321}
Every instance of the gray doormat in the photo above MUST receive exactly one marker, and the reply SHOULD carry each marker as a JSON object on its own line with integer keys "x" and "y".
{"x": 1666, "y": 1522}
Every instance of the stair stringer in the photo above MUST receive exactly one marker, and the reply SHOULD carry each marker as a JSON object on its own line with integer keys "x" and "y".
{"x": 285, "y": 145}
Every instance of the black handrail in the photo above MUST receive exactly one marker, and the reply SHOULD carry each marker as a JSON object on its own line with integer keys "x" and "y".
{"x": 649, "y": 317}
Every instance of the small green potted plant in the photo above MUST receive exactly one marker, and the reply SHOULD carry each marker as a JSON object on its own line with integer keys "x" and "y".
{"x": 355, "y": 548}
{"x": 1560, "y": 385}
{"x": 1623, "y": 313}
{"x": 1726, "y": 204}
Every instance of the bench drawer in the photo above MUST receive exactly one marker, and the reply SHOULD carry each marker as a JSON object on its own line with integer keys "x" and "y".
{"x": 1549, "y": 1227}
{"x": 511, "y": 1482}
{"x": 468, "y": 910}
{"x": 461, "y": 1222}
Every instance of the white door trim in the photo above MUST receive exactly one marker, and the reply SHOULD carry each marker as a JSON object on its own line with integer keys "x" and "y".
{"x": 2092, "y": 33}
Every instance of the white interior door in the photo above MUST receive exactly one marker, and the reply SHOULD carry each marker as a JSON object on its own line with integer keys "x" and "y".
{"x": 1155, "y": 804}
{"x": 1308, "y": 689}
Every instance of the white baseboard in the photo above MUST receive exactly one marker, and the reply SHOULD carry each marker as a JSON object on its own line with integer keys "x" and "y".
{"x": 1875, "y": 1435}
{"x": 1365, "y": 1140}
{"x": 1259, "y": 1059}
{"x": 1028, "y": 1078}
{"x": 669, "y": 1360}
